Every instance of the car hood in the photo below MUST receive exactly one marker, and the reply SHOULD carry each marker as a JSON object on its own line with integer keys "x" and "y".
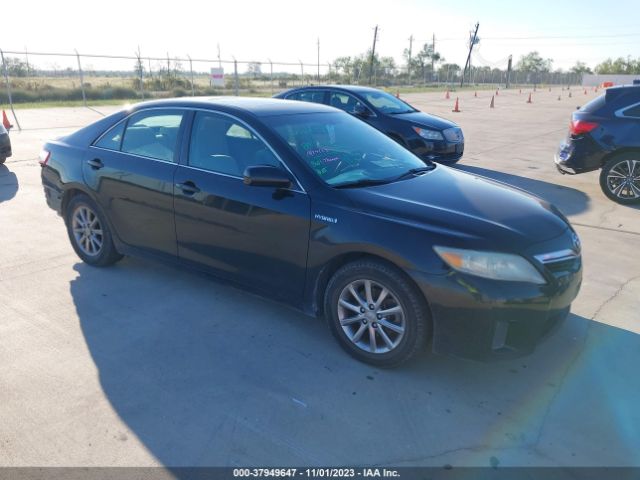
{"x": 421, "y": 118}
{"x": 462, "y": 206}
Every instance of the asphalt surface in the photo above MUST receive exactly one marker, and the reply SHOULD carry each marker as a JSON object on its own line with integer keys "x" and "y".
{"x": 144, "y": 364}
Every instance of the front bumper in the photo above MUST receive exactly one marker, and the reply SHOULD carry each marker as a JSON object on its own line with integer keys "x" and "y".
{"x": 441, "y": 151}
{"x": 486, "y": 319}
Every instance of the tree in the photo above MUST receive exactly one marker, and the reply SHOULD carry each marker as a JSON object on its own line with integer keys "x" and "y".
{"x": 580, "y": 68}
{"x": 619, "y": 66}
{"x": 138, "y": 68}
{"x": 532, "y": 62}
{"x": 16, "y": 67}
{"x": 422, "y": 60}
{"x": 343, "y": 66}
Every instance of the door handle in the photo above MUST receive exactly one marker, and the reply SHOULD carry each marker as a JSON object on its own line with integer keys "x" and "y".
{"x": 96, "y": 163}
{"x": 188, "y": 188}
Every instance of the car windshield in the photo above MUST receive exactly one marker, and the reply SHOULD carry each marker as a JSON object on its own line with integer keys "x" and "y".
{"x": 343, "y": 150}
{"x": 387, "y": 103}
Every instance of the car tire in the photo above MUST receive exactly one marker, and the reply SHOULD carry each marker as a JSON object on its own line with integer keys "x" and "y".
{"x": 89, "y": 232}
{"x": 361, "y": 329}
{"x": 620, "y": 169}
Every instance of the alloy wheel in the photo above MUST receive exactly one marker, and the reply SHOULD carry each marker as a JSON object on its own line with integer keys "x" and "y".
{"x": 87, "y": 230}
{"x": 371, "y": 316}
{"x": 623, "y": 180}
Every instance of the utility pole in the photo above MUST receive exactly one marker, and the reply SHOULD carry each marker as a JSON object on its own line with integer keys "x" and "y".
{"x": 468, "y": 62}
{"x": 219, "y": 61}
{"x": 433, "y": 71}
{"x": 318, "y": 60}
{"x": 373, "y": 53}
{"x": 409, "y": 64}
{"x": 509, "y": 72}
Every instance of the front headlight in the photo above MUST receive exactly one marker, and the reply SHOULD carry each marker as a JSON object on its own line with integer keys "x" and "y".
{"x": 494, "y": 265}
{"x": 428, "y": 134}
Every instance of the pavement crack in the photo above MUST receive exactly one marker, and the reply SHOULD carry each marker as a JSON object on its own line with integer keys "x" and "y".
{"x": 614, "y": 296}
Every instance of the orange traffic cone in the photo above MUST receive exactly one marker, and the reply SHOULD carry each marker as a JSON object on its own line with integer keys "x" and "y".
{"x": 447, "y": 95}
{"x": 569, "y": 94}
{"x": 456, "y": 107}
{"x": 585, "y": 91}
{"x": 475, "y": 94}
{"x": 529, "y": 100}
{"x": 397, "y": 93}
{"x": 5, "y": 121}
{"x": 559, "y": 97}
{"x": 549, "y": 88}
{"x": 519, "y": 91}
{"x": 492, "y": 105}
{"x": 497, "y": 92}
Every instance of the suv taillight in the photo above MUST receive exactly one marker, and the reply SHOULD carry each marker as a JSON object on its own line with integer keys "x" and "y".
{"x": 44, "y": 156}
{"x": 578, "y": 127}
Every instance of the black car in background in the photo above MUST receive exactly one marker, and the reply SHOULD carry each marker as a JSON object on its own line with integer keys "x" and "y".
{"x": 605, "y": 134}
{"x": 5, "y": 144}
{"x": 429, "y": 137}
{"x": 307, "y": 205}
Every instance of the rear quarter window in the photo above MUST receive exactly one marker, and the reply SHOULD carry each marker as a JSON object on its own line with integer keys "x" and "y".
{"x": 633, "y": 112}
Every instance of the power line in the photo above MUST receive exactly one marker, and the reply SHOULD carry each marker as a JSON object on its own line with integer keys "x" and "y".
{"x": 549, "y": 37}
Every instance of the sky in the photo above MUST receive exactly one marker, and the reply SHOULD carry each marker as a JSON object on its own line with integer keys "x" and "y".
{"x": 288, "y": 31}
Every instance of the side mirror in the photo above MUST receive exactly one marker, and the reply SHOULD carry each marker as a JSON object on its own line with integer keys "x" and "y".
{"x": 361, "y": 111}
{"x": 266, "y": 176}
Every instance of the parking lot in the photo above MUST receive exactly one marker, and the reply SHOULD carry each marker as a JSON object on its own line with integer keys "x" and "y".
{"x": 145, "y": 364}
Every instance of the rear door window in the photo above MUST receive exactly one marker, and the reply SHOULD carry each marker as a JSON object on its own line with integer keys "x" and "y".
{"x": 113, "y": 138}
{"x": 153, "y": 134}
{"x": 222, "y": 145}
{"x": 312, "y": 96}
{"x": 344, "y": 101}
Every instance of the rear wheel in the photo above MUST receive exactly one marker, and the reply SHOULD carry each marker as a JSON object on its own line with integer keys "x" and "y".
{"x": 620, "y": 178}
{"x": 376, "y": 314}
{"x": 89, "y": 232}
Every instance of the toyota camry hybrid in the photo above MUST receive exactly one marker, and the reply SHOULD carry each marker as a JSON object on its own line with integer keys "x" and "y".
{"x": 308, "y": 205}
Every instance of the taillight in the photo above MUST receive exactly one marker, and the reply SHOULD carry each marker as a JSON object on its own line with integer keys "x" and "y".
{"x": 578, "y": 127}
{"x": 44, "y": 156}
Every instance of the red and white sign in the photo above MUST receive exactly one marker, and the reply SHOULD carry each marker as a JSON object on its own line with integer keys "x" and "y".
{"x": 217, "y": 77}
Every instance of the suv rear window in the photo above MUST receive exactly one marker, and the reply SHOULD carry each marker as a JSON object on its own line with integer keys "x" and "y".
{"x": 594, "y": 105}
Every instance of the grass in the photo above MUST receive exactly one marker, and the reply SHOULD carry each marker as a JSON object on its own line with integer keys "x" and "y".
{"x": 251, "y": 92}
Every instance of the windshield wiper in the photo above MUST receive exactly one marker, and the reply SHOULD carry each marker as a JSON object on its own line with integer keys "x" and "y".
{"x": 364, "y": 182}
{"x": 415, "y": 172}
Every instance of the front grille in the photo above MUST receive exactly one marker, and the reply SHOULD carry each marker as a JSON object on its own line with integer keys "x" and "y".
{"x": 564, "y": 266}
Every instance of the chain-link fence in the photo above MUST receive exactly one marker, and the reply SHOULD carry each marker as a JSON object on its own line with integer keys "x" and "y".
{"x": 91, "y": 79}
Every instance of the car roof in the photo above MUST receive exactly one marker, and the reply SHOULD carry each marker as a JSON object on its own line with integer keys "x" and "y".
{"x": 259, "y": 107}
{"x": 347, "y": 88}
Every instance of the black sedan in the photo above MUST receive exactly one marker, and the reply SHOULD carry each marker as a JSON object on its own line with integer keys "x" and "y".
{"x": 429, "y": 137}
{"x": 307, "y": 205}
{"x": 5, "y": 144}
{"x": 605, "y": 134}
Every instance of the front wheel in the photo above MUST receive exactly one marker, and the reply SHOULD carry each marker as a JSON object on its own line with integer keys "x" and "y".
{"x": 89, "y": 233}
{"x": 376, "y": 314}
{"x": 620, "y": 179}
